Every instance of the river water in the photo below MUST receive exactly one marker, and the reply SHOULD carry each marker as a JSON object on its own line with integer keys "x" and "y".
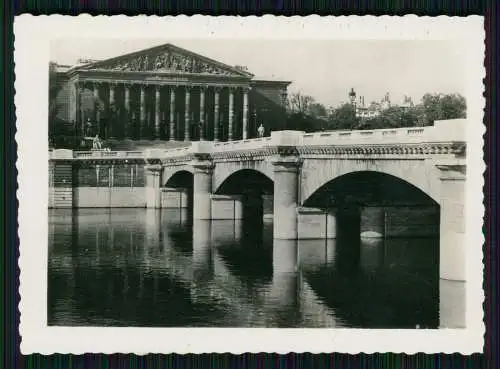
{"x": 138, "y": 267}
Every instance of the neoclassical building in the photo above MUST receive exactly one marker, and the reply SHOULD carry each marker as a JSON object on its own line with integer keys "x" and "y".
{"x": 165, "y": 93}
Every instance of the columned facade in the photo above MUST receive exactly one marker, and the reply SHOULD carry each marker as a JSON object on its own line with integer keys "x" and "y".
{"x": 167, "y": 93}
{"x": 146, "y": 111}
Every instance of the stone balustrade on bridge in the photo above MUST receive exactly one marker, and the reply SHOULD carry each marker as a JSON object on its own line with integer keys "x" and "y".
{"x": 442, "y": 131}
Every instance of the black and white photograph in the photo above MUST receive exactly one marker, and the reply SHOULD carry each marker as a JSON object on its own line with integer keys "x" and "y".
{"x": 245, "y": 182}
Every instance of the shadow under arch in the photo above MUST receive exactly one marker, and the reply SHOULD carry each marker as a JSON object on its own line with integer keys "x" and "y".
{"x": 180, "y": 179}
{"x": 255, "y": 191}
{"x": 368, "y": 188}
{"x": 400, "y": 263}
{"x": 246, "y": 181}
{"x": 177, "y": 195}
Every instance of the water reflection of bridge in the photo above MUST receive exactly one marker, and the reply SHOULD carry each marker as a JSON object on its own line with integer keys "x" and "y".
{"x": 204, "y": 271}
{"x": 211, "y": 280}
{"x": 253, "y": 279}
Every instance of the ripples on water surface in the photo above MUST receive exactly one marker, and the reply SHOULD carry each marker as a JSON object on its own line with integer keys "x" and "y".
{"x": 138, "y": 267}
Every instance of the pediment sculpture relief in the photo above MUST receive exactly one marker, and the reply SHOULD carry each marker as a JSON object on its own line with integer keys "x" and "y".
{"x": 168, "y": 61}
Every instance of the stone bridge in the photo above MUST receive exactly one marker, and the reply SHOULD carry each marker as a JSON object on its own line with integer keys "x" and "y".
{"x": 318, "y": 182}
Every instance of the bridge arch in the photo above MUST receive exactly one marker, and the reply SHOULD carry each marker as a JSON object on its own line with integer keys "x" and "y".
{"x": 177, "y": 190}
{"x": 224, "y": 171}
{"x": 417, "y": 174}
{"x": 245, "y": 180}
{"x": 179, "y": 177}
{"x": 369, "y": 188}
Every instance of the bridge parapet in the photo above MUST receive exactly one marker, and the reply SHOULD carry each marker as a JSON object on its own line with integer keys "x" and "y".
{"x": 441, "y": 131}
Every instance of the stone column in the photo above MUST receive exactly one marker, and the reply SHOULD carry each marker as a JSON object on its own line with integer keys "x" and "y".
{"x": 230, "y": 116}
{"x": 187, "y": 115}
{"x": 112, "y": 93}
{"x": 172, "y": 113}
{"x": 202, "y": 188}
{"x": 112, "y": 110}
{"x": 153, "y": 186}
{"x": 452, "y": 268}
{"x": 202, "y": 113}
{"x": 157, "y": 112}
{"x": 142, "y": 111}
{"x": 216, "y": 113}
{"x": 95, "y": 89}
{"x": 128, "y": 122}
{"x": 286, "y": 174}
{"x": 245, "y": 113}
{"x": 79, "y": 118}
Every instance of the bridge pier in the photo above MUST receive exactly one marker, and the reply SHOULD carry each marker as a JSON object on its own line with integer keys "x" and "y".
{"x": 452, "y": 270}
{"x": 63, "y": 183}
{"x": 372, "y": 222}
{"x": 175, "y": 198}
{"x": 202, "y": 188}
{"x": 286, "y": 174}
{"x": 226, "y": 207}
{"x": 153, "y": 190}
{"x": 316, "y": 224}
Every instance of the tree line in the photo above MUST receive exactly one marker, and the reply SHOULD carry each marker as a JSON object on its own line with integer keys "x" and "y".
{"x": 306, "y": 114}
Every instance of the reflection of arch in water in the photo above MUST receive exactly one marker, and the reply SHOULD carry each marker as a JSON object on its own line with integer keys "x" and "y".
{"x": 376, "y": 296}
{"x": 378, "y": 206}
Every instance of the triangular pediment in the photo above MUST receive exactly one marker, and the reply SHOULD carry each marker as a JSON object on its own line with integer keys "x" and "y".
{"x": 167, "y": 59}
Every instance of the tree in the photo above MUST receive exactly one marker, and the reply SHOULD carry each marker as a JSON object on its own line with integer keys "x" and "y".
{"x": 316, "y": 110}
{"x": 304, "y": 122}
{"x": 440, "y": 106}
{"x": 453, "y": 106}
{"x": 299, "y": 103}
{"x": 344, "y": 117}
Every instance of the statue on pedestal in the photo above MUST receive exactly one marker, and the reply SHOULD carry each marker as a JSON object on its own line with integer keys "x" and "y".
{"x": 88, "y": 128}
{"x": 96, "y": 143}
{"x": 260, "y": 130}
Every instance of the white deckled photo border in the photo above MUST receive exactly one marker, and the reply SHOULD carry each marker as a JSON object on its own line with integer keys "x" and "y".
{"x": 33, "y": 35}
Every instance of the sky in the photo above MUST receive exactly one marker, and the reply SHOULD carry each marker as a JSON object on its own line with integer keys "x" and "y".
{"x": 324, "y": 69}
